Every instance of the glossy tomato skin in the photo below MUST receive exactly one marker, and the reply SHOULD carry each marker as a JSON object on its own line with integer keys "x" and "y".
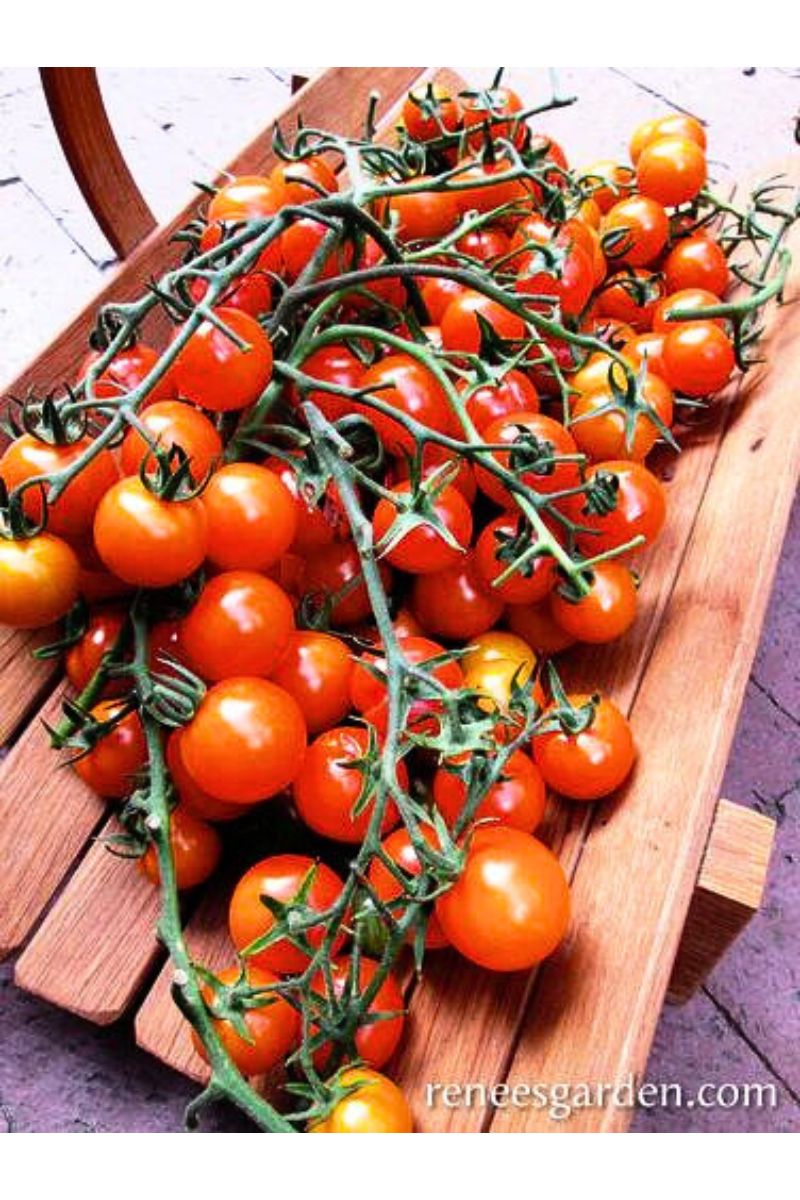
{"x": 83, "y": 659}
{"x": 326, "y": 788}
{"x": 246, "y": 741}
{"x": 280, "y": 878}
{"x": 111, "y": 766}
{"x": 494, "y": 664}
{"x": 127, "y": 369}
{"x": 317, "y": 525}
{"x": 429, "y": 111}
{"x": 273, "y": 1028}
{"x": 213, "y": 371}
{"x": 366, "y": 691}
{"x": 606, "y": 613}
{"x": 631, "y": 296}
{"x": 147, "y": 541}
{"x": 526, "y": 587}
{"x": 423, "y": 549}
{"x": 375, "y": 1042}
{"x": 39, "y": 581}
{"x": 640, "y": 510}
{"x": 460, "y": 327}
{"x": 510, "y": 907}
{"x": 593, "y": 763}
{"x": 514, "y": 393}
{"x": 646, "y": 229}
{"x": 398, "y": 847}
{"x": 301, "y": 241}
{"x": 374, "y": 1105}
{"x": 328, "y": 570}
{"x": 72, "y": 514}
{"x": 674, "y": 125}
{"x": 571, "y": 284}
{"x": 698, "y": 358}
{"x": 171, "y": 423}
{"x": 407, "y": 386}
{"x": 196, "y": 851}
{"x": 517, "y": 799}
{"x": 316, "y": 668}
{"x": 697, "y": 262}
{"x": 693, "y": 299}
{"x": 241, "y": 198}
{"x": 609, "y": 181}
{"x": 251, "y": 293}
{"x": 484, "y": 244}
{"x": 539, "y": 430}
{"x": 252, "y": 517}
{"x": 671, "y": 170}
{"x": 535, "y": 624}
{"x": 241, "y": 623}
{"x": 334, "y": 365}
{"x": 192, "y": 798}
{"x": 438, "y": 293}
{"x": 425, "y": 215}
{"x": 453, "y": 603}
{"x": 488, "y": 108}
{"x": 602, "y": 435}
{"x": 302, "y": 181}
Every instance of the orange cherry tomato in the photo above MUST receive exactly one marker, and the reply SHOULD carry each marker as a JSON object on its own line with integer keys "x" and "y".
{"x": 273, "y": 1028}
{"x": 192, "y": 798}
{"x": 592, "y": 763}
{"x": 535, "y": 442}
{"x": 606, "y": 612}
{"x": 671, "y": 170}
{"x": 196, "y": 852}
{"x": 302, "y": 181}
{"x": 326, "y": 789}
{"x": 39, "y": 580}
{"x": 111, "y": 766}
{"x": 240, "y": 624}
{"x": 316, "y": 669}
{"x": 697, "y": 262}
{"x": 398, "y": 847}
{"x": 693, "y": 300}
{"x": 423, "y": 549}
{"x": 517, "y": 799}
{"x": 493, "y": 556}
{"x": 170, "y": 423}
{"x": 675, "y": 125}
{"x": 71, "y": 515}
{"x": 424, "y": 215}
{"x": 375, "y": 1041}
{"x": 147, "y": 541}
{"x": 602, "y": 435}
{"x": 640, "y": 509}
{"x": 641, "y": 228}
{"x": 213, "y": 371}
{"x": 534, "y": 623}
{"x": 372, "y": 1104}
{"x": 609, "y": 182}
{"x": 698, "y": 358}
{"x": 252, "y": 517}
{"x": 453, "y": 603}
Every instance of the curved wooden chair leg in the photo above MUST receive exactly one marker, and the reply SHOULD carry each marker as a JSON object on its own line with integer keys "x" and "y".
{"x": 87, "y": 139}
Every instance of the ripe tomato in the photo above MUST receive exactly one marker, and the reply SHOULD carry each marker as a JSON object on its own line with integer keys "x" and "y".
{"x": 317, "y": 525}
{"x": 430, "y": 111}
{"x": 251, "y": 293}
{"x": 590, "y": 764}
{"x": 270, "y": 260}
{"x": 435, "y": 456}
{"x": 252, "y": 517}
{"x": 510, "y": 907}
{"x": 698, "y": 358}
{"x": 367, "y": 692}
{"x": 675, "y": 125}
{"x": 438, "y": 293}
{"x": 531, "y": 438}
{"x": 631, "y": 296}
{"x": 486, "y": 244}
{"x": 39, "y": 580}
{"x": 606, "y": 612}
{"x": 671, "y": 170}
{"x": 646, "y": 229}
{"x": 127, "y": 369}
{"x": 640, "y": 509}
{"x": 687, "y": 300}
{"x": 527, "y": 586}
{"x": 171, "y": 423}
{"x": 514, "y": 393}
{"x": 398, "y": 847}
{"x": 330, "y": 570}
{"x": 648, "y": 347}
{"x": 280, "y": 878}
{"x": 609, "y": 182}
{"x": 241, "y": 624}
{"x": 534, "y": 623}
{"x": 569, "y": 279}
{"x": 460, "y": 327}
{"x": 192, "y": 798}
{"x": 243, "y": 198}
{"x": 273, "y": 1028}
{"x": 596, "y": 374}
{"x": 246, "y": 741}
{"x": 697, "y": 262}
{"x": 494, "y": 664}
{"x": 484, "y": 109}
{"x": 517, "y": 799}
{"x": 111, "y": 766}
{"x": 423, "y": 549}
{"x": 196, "y": 850}
{"x": 96, "y": 585}
{"x": 72, "y": 514}
{"x": 302, "y": 181}
{"x": 299, "y": 244}
{"x": 407, "y": 386}
{"x": 603, "y": 435}
{"x": 84, "y": 657}
{"x": 424, "y": 216}
{"x": 147, "y": 541}
{"x": 211, "y": 370}
{"x": 453, "y": 603}
{"x": 327, "y": 788}
{"x": 336, "y": 365}
{"x": 373, "y": 1104}
{"x": 316, "y": 669}
{"x": 376, "y": 1041}
{"x": 480, "y": 189}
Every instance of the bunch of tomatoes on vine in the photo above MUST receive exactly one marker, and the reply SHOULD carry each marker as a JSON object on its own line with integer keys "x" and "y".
{"x": 318, "y": 551}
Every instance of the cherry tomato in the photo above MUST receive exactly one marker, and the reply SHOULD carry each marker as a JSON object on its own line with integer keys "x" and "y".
{"x": 597, "y": 374}
{"x": 429, "y": 111}
{"x": 301, "y": 241}
{"x": 642, "y": 229}
{"x": 147, "y": 541}
{"x": 127, "y": 369}
{"x": 96, "y": 584}
{"x": 409, "y": 387}
{"x": 327, "y": 788}
{"x": 367, "y": 692}
{"x": 671, "y": 170}
{"x": 609, "y": 182}
{"x": 270, "y": 260}
{"x": 336, "y": 365}
{"x": 688, "y": 300}
{"x": 494, "y": 664}
{"x": 280, "y": 878}
{"x": 590, "y": 764}
{"x": 534, "y": 440}
{"x": 648, "y": 347}
{"x": 527, "y": 586}
{"x": 376, "y": 1041}
{"x": 373, "y": 1104}
{"x": 510, "y": 907}
{"x": 171, "y": 423}
{"x": 453, "y": 603}
{"x": 213, "y": 371}
{"x": 675, "y": 125}
{"x": 196, "y": 851}
{"x": 569, "y": 281}
{"x": 489, "y": 106}
{"x": 398, "y": 847}
{"x": 71, "y": 515}
{"x": 300, "y": 182}
{"x": 438, "y": 293}
{"x": 460, "y": 327}
{"x": 251, "y": 293}
{"x": 242, "y": 198}
{"x": 433, "y": 457}
{"x": 534, "y": 623}
{"x": 485, "y": 244}
{"x": 84, "y": 657}
{"x": 425, "y": 215}
{"x": 111, "y": 766}
{"x": 423, "y": 549}
{"x": 486, "y": 402}
{"x": 484, "y": 191}
{"x": 192, "y": 798}
{"x": 640, "y": 509}
{"x": 606, "y": 612}
{"x": 631, "y": 296}
{"x": 611, "y": 330}
{"x": 698, "y": 358}
{"x": 246, "y": 741}
{"x": 697, "y": 262}
{"x": 317, "y": 525}
{"x": 252, "y": 517}
{"x": 517, "y": 799}
{"x": 39, "y": 580}
{"x": 316, "y": 669}
{"x": 240, "y": 624}
{"x": 329, "y": 571}
{"x": 273, "y": 1028}
{"x": 602, "y": 435}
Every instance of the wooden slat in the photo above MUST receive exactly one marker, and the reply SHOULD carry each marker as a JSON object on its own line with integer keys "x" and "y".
{"x": 22, "y": 677}
{"x": 97, "y": 944}
{"x": 46, "y": 815}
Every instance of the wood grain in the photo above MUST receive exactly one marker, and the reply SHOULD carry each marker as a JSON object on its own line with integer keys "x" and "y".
{"x": 23, "y": 678}
{"x": 97, "y": 944}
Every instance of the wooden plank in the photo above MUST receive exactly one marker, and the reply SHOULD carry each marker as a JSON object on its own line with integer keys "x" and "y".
{"x": 728, "y": 894}
{"x": 22, "y": 677}
{"x": 97, "y": 945}
{"x": 46, "y": 815}
{"x": 597, "y": 1003}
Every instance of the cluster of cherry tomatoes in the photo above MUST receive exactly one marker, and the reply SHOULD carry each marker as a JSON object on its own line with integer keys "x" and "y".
{"x": 482, "y": 588}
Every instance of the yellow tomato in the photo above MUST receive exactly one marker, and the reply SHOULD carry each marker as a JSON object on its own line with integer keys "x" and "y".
{"x": 494, "y": 662}
{"x": 376, "y": 1105}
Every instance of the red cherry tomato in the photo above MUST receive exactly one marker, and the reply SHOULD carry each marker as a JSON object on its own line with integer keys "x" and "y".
{"x": 697, "y": 262}
{"x": 302, "y": 181}
{"x": 641, "y": 227}
{"x": 423, "y": 549}
{"x": 398, "y": 847}
{"x": 517, "y": 799}
{"x": 83, "y": 659}
{"x": 493, "y": 556}
{"x": 376, "y": 1041}
{"x": 192, "y": 798}
{"x": 252, "y": 517}
{"x": 534, "y": 440}
{"x": 327, "y": 787}
{"x": 127, "y": 369}
{"x": 592, "y": 763}
{"x": 367, "y": 692}
{"x": 640, "y": 509}
{"x": 196, "y": 852}
{"x": 111, "y": 766}
{"x": 606, "y": 612}
{"x": 486, "y": 402}
{"x": 407, "y": 386}
{"x": 335, "y": 365}
{"x": 147, "y": 541}
{"x": 429, "y": 112}
{"x": 461, "y": 329}
{"x": 534, "y": 623}
{"x": 453, "y": 603}
{"x": 213, "y": 371}
{"x": 71, "y": 515}
{"x": 330, "y": 570}
{"x": 698, "y": 358}
{"x": 240, "y": 624}
{"x": 273, "y": 1028}
{"x": 316, "y": 669}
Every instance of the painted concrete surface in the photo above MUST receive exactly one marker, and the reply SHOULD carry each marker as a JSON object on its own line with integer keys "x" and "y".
{"x": 57, "y": 1073}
